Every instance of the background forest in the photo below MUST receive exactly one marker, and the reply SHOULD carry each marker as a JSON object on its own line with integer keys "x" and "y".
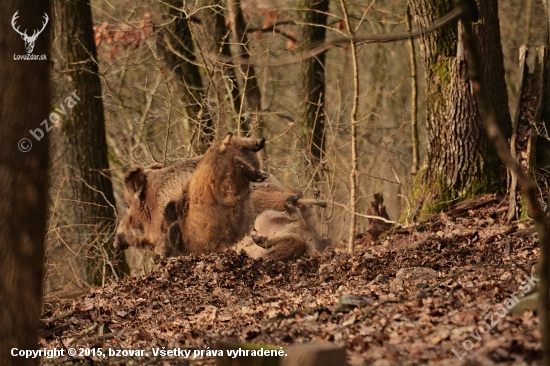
{"x": 168, "y": 89}
{"x": 422, "y": 123}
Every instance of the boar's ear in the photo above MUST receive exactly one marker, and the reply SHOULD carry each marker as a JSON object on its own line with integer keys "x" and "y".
{"x": 135, "y": 181}
{"x": 225, "y": 142}
{"x": 253, "y": 144}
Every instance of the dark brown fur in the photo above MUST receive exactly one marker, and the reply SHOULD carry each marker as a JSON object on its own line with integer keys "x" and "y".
{"x": 220, "y": 211}
{"x": 147, "y": 192}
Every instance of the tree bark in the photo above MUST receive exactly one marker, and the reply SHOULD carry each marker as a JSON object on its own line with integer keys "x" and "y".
{"x": 488, "y": 33}
{"x": 414, "y": 100}
{"x": 178, "y": 50}
{"x": 24, "y": 103}
{"x": 252, "y": 95}
{"x": 91, "y": 200}
{"x": 311, "y": 117}
{"x": 529, "y": 187}
{"x": 460, "y": 163}
{"x": 213, "y": 21}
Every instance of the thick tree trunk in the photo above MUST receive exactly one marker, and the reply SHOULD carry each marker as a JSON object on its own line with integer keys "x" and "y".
{"x": 460, "y": 163}
{"x": 91, "y": 200}
{"x": 311, "y": 115}
{"x": 220, "y": 35}
{"x": 178, "y": 50}
{"x": 24, "y": 103}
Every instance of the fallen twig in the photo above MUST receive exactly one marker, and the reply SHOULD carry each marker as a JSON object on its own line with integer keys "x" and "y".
{"x": 377, "y": 306}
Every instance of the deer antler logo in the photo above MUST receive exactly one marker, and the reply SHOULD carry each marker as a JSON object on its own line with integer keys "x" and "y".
{"x": 29, "y": 41}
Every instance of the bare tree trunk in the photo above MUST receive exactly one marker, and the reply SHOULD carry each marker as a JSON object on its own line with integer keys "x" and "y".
{"x": 354, "y": 172}
{"x": 24, "y": 103}
{"x": 178, "y": 50}
{"x": 460, "y": 163}
{"x": 546, "y": 101}
{"x": 523, "y": 81}
{"x": 528, "y": 22}
{"x": 213, "y": 21}
{"x": 414, "y": 100}
{"x": 311, "y": 117}
{"x": 91, "y": 200}
{"x": 252, "y": 94}
{"x": 488, "y": 32}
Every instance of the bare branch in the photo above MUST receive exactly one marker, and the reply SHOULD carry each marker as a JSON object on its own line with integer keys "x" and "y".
{"x": 341, "y": 41}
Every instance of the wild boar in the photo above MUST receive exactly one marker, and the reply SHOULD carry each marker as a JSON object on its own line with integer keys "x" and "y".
{"x": 215, "y": 210}
{"x": 271, "y": 196}
{"x": 284, "y": 235}
{"x": 146, "y": 193}
{"x": 151, "y": 196}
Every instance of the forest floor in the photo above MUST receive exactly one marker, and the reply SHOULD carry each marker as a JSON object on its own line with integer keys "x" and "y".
{"x": 439, "y": 315}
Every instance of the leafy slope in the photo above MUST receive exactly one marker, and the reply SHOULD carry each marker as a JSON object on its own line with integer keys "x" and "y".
{"x": 191, "y": 302}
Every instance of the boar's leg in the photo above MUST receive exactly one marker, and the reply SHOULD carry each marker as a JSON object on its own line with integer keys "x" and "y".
{"x": 251, "y": 173}
{"x": 174, "y": 212}
{"x": 291, "y": 207}
{"x": 311, "y": 202}
{"x": 286, "y": 247}
{"x": 261, "y": 241}
{"x": 174, "y": 242}
{"x": 170, "y": 212}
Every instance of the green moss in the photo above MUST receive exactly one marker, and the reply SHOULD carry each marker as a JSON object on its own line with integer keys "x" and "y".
{"x": 428, "y": 199}
{"x": 524, "y": 215}
{"x": 438, "y": 198}
{"x": 440, "y": 69}
{"x": 113, "y": 159}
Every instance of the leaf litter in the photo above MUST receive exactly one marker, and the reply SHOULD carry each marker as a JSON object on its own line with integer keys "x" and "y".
{"x": 455, "y": 271}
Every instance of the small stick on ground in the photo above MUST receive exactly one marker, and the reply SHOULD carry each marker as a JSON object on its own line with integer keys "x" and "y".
{"x": 377, "y": 306}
